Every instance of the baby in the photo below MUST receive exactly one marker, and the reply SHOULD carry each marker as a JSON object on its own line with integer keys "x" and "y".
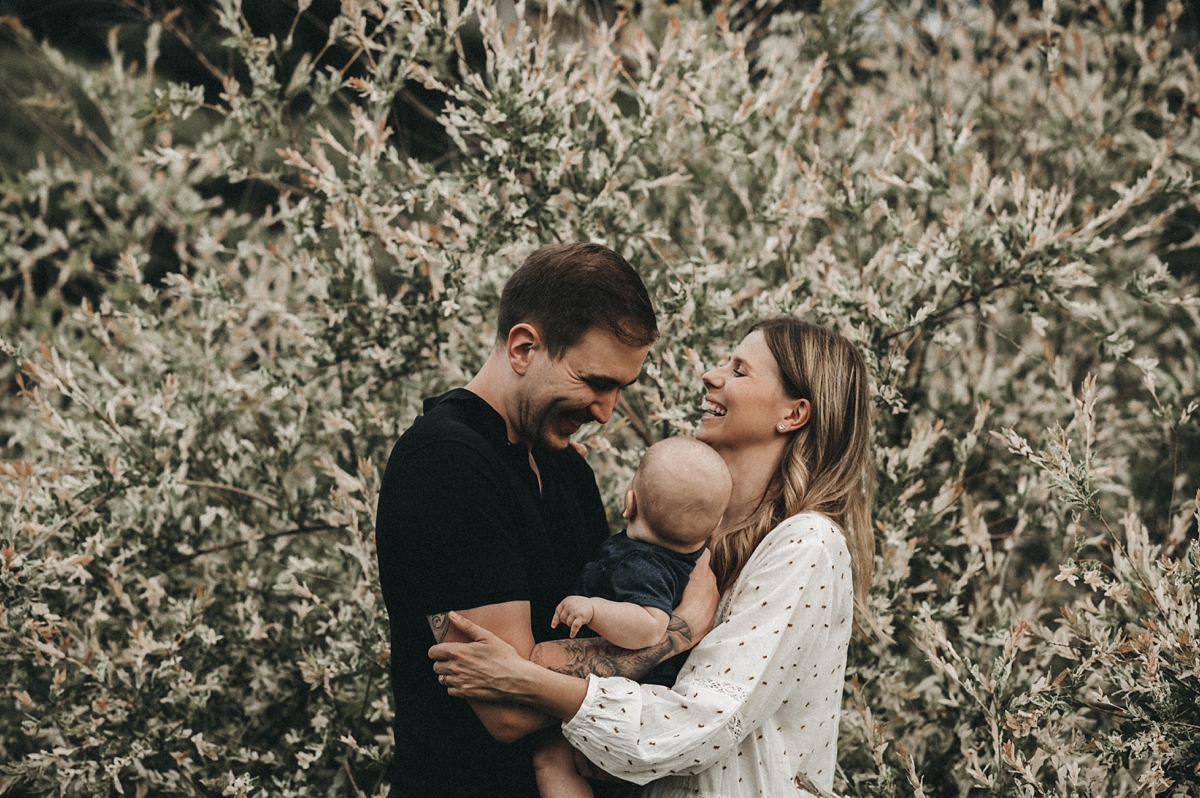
{"x": 673, "y": 505}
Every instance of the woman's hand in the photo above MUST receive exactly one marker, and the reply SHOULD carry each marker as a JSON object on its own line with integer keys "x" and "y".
{"x": 587, "y": 768}
{"x": 484, "y": 669}
{"x": 489, "y": 669}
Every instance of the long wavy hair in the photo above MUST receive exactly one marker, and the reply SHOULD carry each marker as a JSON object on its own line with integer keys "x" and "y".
{"x": 826, "y": 464}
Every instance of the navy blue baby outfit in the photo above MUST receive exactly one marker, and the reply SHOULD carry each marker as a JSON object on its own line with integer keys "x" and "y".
{"x": 643, "y": 574}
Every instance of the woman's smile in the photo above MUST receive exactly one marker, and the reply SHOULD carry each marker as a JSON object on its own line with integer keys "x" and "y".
{"x": 711, "y": 408}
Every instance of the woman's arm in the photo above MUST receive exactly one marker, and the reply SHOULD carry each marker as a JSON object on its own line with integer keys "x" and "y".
{"x": 485, "y": 668}
{"x": 551, "y": 680}
{"x": 783, "y": 641}
{"x": 571, "y": 658}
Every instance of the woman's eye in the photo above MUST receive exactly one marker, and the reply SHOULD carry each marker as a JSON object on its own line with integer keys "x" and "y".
{"x": 738, "y": 373}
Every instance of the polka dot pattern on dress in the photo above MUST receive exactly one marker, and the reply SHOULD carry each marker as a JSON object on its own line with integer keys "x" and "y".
{"x": 764, "y": 686}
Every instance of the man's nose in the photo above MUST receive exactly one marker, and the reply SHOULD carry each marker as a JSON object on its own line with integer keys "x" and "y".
{"x": 602, "y": 408}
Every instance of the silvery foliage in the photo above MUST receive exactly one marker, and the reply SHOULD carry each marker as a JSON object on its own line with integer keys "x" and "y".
{"x": 980, "y": 199}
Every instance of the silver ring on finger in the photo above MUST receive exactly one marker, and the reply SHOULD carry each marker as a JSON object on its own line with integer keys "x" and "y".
{"x": 441, "y": 678}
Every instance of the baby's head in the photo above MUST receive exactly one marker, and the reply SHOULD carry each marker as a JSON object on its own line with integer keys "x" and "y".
{"x": 678, "y": 495}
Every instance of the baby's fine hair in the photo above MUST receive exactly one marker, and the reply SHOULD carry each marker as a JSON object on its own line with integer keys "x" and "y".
{"x": 682, "y": 488}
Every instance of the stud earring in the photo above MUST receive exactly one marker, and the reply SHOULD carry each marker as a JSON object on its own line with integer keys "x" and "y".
{"x": 782, "y": 427}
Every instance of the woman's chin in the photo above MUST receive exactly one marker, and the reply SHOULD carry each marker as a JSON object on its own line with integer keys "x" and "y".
{"x": 707, "y": 429}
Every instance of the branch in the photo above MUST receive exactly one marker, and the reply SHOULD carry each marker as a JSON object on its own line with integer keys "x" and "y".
{"x": 239, "y": 543}
{"x": 168, "y": 22}
{"x": 636, "y": 423}
{"x": 220, "y": 486}
{"x": 965, "y": 300}
{"x": 93, "y": 504}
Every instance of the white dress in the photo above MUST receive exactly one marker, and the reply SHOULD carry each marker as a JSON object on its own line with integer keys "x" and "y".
{"x": 759, "y": 698}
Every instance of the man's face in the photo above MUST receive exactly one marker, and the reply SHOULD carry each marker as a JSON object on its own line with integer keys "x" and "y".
{"x": 557, "y": 397}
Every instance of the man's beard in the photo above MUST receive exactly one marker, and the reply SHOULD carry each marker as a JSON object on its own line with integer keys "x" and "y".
{"x": 535, "y": 418}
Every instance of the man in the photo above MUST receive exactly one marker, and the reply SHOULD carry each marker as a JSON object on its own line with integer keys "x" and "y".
{"x": 487, "y": 510}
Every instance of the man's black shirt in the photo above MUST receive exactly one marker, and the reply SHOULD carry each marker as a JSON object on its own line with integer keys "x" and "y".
{"x": 461, "y": 524}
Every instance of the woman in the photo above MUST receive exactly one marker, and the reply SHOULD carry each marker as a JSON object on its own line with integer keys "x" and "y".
{"x": 755, "y": 709}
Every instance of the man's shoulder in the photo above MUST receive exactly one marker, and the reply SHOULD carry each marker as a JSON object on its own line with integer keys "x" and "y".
{"x": 448, "y": 421}
{"x": 440, "y": 426}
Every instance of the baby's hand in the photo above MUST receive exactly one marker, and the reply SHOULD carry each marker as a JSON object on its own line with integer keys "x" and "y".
{"x": 575, "y": 611}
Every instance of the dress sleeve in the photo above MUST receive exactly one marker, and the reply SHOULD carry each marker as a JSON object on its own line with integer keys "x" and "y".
{"x": 776, "y": 628}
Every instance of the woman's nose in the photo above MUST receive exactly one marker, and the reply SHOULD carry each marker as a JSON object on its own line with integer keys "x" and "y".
{"x": 711, "y": 379}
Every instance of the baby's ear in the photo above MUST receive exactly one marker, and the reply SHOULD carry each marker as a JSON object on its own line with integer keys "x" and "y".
{"x": 630, "y": 505}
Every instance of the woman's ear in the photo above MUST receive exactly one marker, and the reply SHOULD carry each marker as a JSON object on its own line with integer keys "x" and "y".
{"x": 523, "y": 339}
{"x": 797, "y": 417}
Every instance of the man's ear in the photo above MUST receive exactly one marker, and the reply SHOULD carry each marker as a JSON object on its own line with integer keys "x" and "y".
{"x": 523, "y": 340}
{"x": 630, "y": 505}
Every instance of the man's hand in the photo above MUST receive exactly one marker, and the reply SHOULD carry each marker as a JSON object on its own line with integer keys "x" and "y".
{"x": 574, "y": 611}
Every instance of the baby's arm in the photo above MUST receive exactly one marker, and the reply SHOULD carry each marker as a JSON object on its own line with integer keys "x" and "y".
{"x": 619, "y": 622}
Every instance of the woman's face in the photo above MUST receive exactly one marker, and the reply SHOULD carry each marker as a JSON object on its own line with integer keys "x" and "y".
{"x": 744, "y": 400}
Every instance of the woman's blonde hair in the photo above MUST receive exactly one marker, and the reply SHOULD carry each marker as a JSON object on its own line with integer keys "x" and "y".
{"x": 826, "y": 464}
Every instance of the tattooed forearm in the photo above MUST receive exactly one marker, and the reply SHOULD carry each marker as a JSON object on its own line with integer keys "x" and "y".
{"x": 681, "y": 632}
{"x": 440, "y": 624}
{"x": 594, "y": 655}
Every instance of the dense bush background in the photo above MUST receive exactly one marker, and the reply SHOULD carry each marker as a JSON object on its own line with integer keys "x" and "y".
{"x": 236, "y": 253}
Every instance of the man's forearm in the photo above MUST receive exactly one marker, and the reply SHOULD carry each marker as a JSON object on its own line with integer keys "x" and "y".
{"x": 579, "y": 657}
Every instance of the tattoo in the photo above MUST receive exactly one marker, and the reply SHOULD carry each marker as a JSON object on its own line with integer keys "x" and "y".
{"x": 440, "y": 624}
{"x": 594, "y": 655}
{"x": 683, "y": 630}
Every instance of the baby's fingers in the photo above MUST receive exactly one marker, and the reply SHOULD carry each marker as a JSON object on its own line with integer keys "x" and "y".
{"x": 576, "y": 625}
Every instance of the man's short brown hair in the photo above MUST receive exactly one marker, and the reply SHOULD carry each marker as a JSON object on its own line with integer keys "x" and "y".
{"x": 567, "y": 289}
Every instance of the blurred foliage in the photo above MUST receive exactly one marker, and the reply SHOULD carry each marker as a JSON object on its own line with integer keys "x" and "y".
{"x": 237, "y": 251}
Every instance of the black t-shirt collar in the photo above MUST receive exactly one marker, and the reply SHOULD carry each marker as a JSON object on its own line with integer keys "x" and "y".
{"x": 482, "y": 417}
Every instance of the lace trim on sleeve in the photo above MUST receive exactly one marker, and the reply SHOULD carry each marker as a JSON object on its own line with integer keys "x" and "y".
{"x": 739, "y": 694}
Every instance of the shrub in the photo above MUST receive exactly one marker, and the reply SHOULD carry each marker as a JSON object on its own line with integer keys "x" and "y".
{"x": 225, "y": 300}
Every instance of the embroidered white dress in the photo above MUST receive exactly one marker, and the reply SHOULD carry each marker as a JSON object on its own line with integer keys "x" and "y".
{"x": 759, "y": 698}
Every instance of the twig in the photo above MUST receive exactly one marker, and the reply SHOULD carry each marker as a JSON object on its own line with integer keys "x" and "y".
{"x": 238, "y": 543}
{"x": 168, "y": 23}
{"x": 966, "y": 300}
{"x": 418, "y": 106}
{"x": 93, "y": 504}
{"x": 220, "y": 486}
{"x": 634, "y": 421}
{"x": 353, "y": 783}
